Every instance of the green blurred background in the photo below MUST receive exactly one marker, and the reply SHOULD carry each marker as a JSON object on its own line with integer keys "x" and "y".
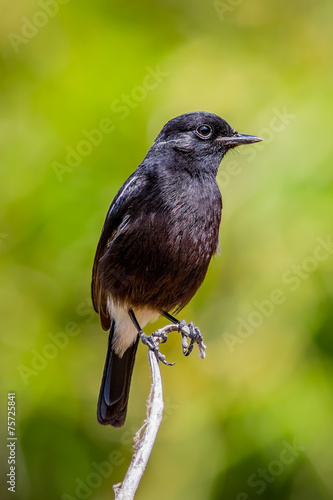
{"x": 254, "y": 419}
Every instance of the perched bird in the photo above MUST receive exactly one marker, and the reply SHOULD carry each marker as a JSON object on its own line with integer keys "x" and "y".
{"x": 158, "y": 238}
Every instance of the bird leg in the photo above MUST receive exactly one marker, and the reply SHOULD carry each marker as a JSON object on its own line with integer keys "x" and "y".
{"x": 153, "y": 340}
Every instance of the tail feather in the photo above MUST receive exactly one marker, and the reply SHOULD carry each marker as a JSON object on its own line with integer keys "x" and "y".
{"x": 115, "y": 386}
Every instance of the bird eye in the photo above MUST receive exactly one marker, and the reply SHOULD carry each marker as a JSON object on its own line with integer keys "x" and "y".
{"x": 204, "y": 131}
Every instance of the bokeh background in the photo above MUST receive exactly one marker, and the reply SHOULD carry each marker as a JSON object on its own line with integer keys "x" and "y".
{"x": 85, "y": 88}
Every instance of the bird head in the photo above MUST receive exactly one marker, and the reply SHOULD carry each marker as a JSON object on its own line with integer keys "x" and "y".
{"x": 201, "y": 135}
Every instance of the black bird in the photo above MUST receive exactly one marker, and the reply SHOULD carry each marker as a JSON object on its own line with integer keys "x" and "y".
{"x": 159, "y": 236}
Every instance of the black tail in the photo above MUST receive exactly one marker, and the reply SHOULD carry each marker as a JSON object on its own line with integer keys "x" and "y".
{"x": 115, "y": 386}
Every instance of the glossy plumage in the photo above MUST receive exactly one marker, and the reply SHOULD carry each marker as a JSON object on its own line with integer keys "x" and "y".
{"x": 159, "y": 236}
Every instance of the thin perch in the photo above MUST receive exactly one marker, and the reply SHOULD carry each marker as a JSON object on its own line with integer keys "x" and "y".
{"x": 155, "y": 404}
{"x": 126, "y": 490}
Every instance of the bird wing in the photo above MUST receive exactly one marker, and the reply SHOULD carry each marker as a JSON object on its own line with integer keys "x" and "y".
{"x": 118, "y": 210}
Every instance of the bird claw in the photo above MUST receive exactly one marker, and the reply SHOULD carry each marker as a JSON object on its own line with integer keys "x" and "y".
{"x": 193, "y": 333}
{"x": 189, "y": 332}
{"x": 160, "y": 336}
{"x": 152, "y": 342}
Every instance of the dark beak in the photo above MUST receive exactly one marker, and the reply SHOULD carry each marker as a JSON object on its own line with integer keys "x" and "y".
{"x": 239, "y": 140}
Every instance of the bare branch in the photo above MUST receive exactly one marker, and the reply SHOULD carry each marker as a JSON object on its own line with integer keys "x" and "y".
{"x": 155, "y": 404}
{"x": 126, "y": 490}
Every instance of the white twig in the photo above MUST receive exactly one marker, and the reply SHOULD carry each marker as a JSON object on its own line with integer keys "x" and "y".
{"x": 155, "y": 404}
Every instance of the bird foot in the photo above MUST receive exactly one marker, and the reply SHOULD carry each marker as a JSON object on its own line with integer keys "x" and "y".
{"x": 152, "y": 342}
{"x": 188, "y": 332}
{"x": 193, "y": 333}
